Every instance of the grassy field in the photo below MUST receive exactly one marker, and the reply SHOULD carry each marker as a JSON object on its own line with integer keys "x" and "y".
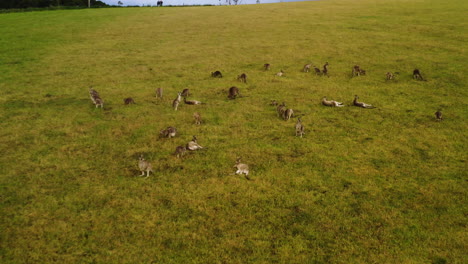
{"x": 383, "y": 185}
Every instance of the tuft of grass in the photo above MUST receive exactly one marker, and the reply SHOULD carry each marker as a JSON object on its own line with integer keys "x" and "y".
{"x": 383, "y": 185}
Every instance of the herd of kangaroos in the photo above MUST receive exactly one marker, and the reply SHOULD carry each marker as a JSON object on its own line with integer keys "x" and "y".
{"x": 283, "y": 111}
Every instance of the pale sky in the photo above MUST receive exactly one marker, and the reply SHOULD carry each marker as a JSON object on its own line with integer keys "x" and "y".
{"x": 189, "y": 2}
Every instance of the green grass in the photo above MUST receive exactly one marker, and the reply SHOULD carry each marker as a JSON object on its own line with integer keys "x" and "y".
{"x": 384, "y": 185}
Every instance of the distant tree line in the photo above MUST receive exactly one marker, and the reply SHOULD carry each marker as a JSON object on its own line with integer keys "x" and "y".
{"x": 8, "y": 4}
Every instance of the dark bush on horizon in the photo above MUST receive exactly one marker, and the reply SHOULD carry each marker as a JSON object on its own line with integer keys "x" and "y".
{"x": 19, "y": 4}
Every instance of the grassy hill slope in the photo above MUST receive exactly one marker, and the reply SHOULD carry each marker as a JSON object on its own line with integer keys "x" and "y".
{"x": 383, "y": 185}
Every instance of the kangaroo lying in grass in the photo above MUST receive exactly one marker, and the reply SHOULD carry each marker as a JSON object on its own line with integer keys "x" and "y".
{"x": 331, "y": 103}
{"x": 192, "y": 102}
{"x": 361, "y": 104}
{"x": 193, "y": 144}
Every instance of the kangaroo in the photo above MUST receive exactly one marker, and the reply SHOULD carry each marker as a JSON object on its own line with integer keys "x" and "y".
{"x": 288, "y": 114}
{"x": 274, "y": 103}
{"x": 299, "y": 127}
{"x": 216, "y": 74}
{"x": 193, "y": 144}
{"x": 281, "y": 109}
{"x": 417, "y": 75}
{"x": 176, "y": 101}
{"x": 98, "y": 102}
{"x": 280, "y": 73}
{"x": 94, "y": 95}
{"x": 168, "y": 132}
{"x": 242, "y": 78}
{"x": 128, "y": 101}
{"x": 361, "y": 104}
{"x": 192, "y": 102}
{"x": 266, "y": 66}
{"x": 438, "y": 115}
{"x": 306, "y": 68}
{"x": 325, "y": 69}
{"x": 185, "y": 93}
{"x": 159, "y": 93}
{"x": 180, "y": 151}
{"x": 144, "y": 165}
{"x": 331, "y": 103}
{"x": 93, "y": 92}
{"x": 389, "y": 76}
{"x": 233, "y": 92}
{"x": 197, "y": 117}
{"x": 357, "y": 71}
{"x": 241, "y": 167}
{"x": 317, "y": 71}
